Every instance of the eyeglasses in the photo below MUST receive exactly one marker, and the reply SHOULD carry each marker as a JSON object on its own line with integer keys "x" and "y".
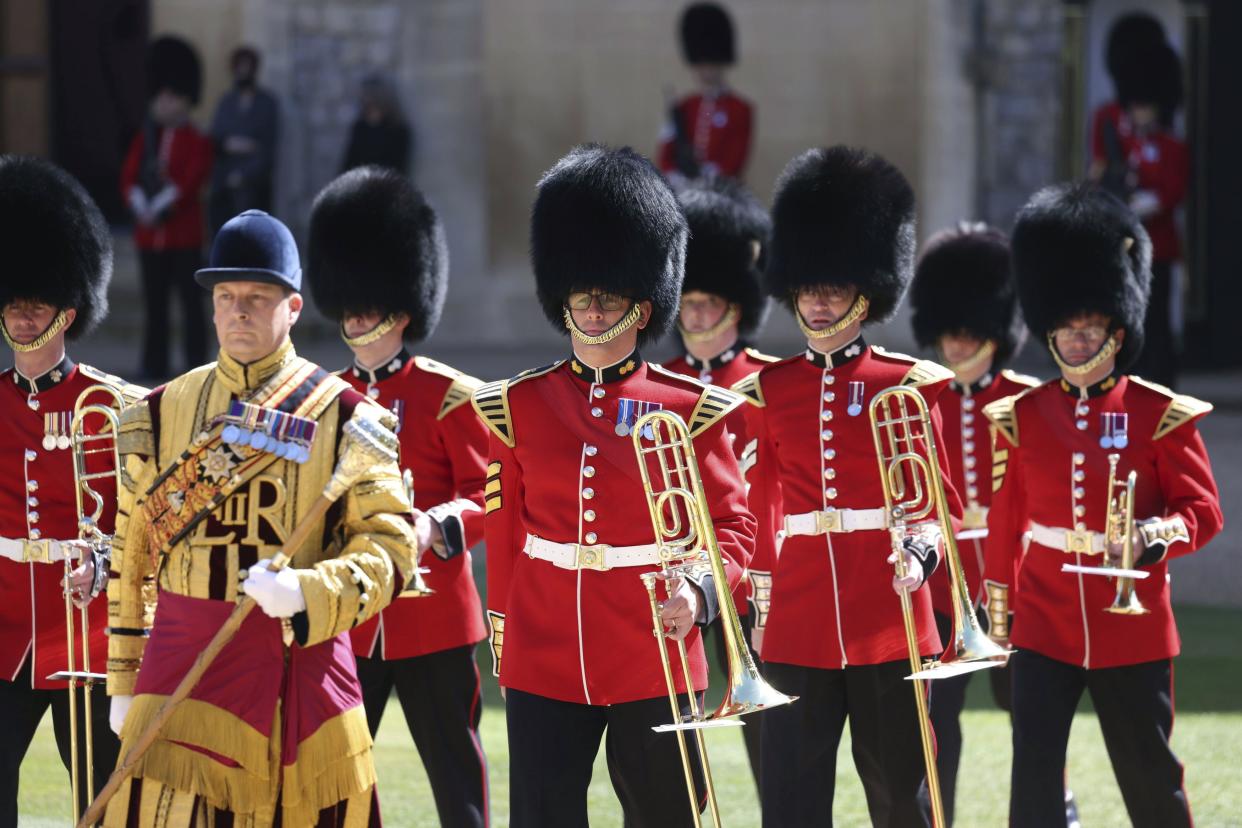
{"x": 1093, "y": 334}
{"x": 581, "y": 300}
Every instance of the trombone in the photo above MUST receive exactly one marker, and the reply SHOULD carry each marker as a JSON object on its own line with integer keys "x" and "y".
{"x": 681, "y": 520}
{"x": 89, "y": 504}
{"x": 914, "y": 493}
{"x": 1119, "y": 529}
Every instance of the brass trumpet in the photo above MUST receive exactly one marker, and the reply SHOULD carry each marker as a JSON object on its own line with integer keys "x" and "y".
{"x": 681, "y": 520}
{"x": 417, "y": 588}
{"x": 905, "y": 448}
{"x": 89, "y": 504}
{"x": 1119, "y": 528}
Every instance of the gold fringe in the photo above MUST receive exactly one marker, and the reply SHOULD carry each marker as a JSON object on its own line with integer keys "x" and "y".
{"x": 183, "y": 769}
{"x": 204, "y": 725}
{"x": 333, "y": 764}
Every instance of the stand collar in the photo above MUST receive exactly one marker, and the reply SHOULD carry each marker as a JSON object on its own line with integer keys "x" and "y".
{"x": 835, "y": 359}
{"x": 384, "y": 370}
{"x": 983, "y": 383}
{"x": 1099, "y": 389}
{"x": 619, "y": 370}
{"x": 719, "y": 360}
{"x": 244, "y": 379}
{"x": 45, "y": 381}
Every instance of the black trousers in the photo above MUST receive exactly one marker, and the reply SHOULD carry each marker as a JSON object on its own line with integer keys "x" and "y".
{"x": 948, "y": 698}
{"x": 552, "y": 747}
{"x": 1158, "y": 360}
{"x": 800, "y": 742}
{"x": 1135, "y": 707}
{"x": 753, "y": 728}
{"x": 440, "y": 697}
{"x": 165, "y": 271}
{"x": 23, "y": 709}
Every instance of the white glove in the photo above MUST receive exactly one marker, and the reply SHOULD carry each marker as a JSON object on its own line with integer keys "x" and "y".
{"x": 1145, "y": 203}
{"x": 279, "y": 594}
{"x": 118, "y": 712}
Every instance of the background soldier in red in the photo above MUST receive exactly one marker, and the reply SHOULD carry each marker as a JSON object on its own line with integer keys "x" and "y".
{"x": 722, "y": 304}
{"x": 708, "y": 133}
{"x": 378, "y": 265}
{"x": 842, "y": 252}
{"x": 568, "y": 528}
{"x": 966, "y": 307}
{"x": 58, "y": 261}
{"x": 1082, "y": 262}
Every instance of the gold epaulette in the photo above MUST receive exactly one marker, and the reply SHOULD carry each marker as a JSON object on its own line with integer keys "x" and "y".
{"x": 714, "y": 403}
{"x": 762, "y": 357}
{"x": 1181, "y": 409}
{"x": 925, "y": 372}
{"x": 136, "y": 434}
{"x": 491, "y": 402}
{"x": 1020, "y": 379}
{"x": 751, "y": 390}
{"x": 129, "y": 392}
{"x": 458, "y": 392}
{"x": 1003, "y": 416}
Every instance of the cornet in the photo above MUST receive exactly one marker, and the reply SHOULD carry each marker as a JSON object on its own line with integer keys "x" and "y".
{"x": 1119, "y": 529}
{"x": 905, "y": 448}
{"x": 686, "y": 538}
{"x": 89, "y": 504}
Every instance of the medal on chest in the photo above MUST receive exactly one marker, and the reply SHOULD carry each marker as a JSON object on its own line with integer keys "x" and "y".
{"x": 628, "y": 413}
{"x": 56, "y": 425}
{"x": 1114, "y": 428}
{"x": 856, "y": 392}
{"x": 398, "y": 411}
{"x": 267, "y": 429}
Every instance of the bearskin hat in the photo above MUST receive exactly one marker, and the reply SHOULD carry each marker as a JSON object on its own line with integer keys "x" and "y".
{"x": 707, "y": 34}
{"x": 964, "y": 283}
{"x": 728, "y": 239}
{"x": 606, "y": 219}
{"x": 376, "y": 245}
{"x": 57, "y": 246}
{"x": 842, "y": 216}
{"x": 173, "y": 64}
{"x": 1078, "y": 249}
{"x": 1131, "y": 34}
{"x": 1152, "y": 77}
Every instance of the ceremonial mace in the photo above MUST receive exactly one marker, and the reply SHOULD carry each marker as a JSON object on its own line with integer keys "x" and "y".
{"x": 364, "y": 444}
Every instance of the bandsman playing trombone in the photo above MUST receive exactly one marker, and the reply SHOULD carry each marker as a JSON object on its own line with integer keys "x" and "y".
{"x": 965, "y": 307}
{"x": 58, "y": 261}
{"x": 567, "y": 522}
{"x": 831, "y": 629}
{"x": 378, "y": 267}
{"x": 1108, "y": 475}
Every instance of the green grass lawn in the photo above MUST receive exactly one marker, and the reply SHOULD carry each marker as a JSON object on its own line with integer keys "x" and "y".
{"x": 1207, "y": 736}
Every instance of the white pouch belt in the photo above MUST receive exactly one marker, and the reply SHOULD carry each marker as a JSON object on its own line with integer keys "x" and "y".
{"x": 600, "y": 556}
{"x": 1068, "y": 540}
{"x": 835, "y": 521}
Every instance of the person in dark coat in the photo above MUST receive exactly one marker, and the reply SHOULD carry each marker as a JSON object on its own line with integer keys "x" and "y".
{"x": 380, "y": 134}
{"x": 243, "y": 133}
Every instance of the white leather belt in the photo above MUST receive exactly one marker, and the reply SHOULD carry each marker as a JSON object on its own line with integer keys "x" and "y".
{"x": 1068, "y": 540}
{"x": 600, "y": 556}
{"x": 835, "y": 521}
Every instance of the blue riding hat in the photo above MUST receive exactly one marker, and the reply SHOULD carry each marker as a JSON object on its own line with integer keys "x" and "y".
{"x": 253, "y": 247}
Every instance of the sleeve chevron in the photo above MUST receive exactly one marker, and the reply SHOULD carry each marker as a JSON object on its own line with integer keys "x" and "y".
{"x": 491, "y": 403}
{"x": 1002, "y": 414}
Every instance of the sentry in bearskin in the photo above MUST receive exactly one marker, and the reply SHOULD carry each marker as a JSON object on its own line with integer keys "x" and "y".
{"x": 606, "y": 220}
{"x": 963, "y": 284}
{"x": 57, "y": 245}
{"x": 707, "y": 35}
{"x": 1078, "y": 250}
{"x": 377, "y": 245}
{"x": 845, "y": 217}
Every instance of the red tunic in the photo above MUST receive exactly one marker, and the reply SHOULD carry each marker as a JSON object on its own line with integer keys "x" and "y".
{"x": 968, "y": 448}
{"x": 733, "y": 366}
{"x": 560, "y": 471}
{"x": 1158, "y": 161}
{"x": 1051, "y": 470}
{"x": 719, "y": 127}
{"x": 36, "y": 490}
{"x": 444, "y": 445}
{"x": 832, "y": 601}
{"x": 185, "y": 161}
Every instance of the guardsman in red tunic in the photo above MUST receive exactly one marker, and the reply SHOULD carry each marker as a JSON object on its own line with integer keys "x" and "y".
{"x": 1082, "y": 263}
{"x": 830, "y": 629}
{"x": 708, "y": 133}
{"x": 965, "y": 306}
{"x": 58, "y": 263}
{"x": 568, "y": 528}
{"x": 722, "y": 304}
{"x": 379, "y": 267}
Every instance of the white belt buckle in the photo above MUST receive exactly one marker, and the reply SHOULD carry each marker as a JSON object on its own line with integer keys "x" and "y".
{"x": 592, "y": 556}
{"x": 1079, "y": 542}
{"x": 829, "y": 520}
